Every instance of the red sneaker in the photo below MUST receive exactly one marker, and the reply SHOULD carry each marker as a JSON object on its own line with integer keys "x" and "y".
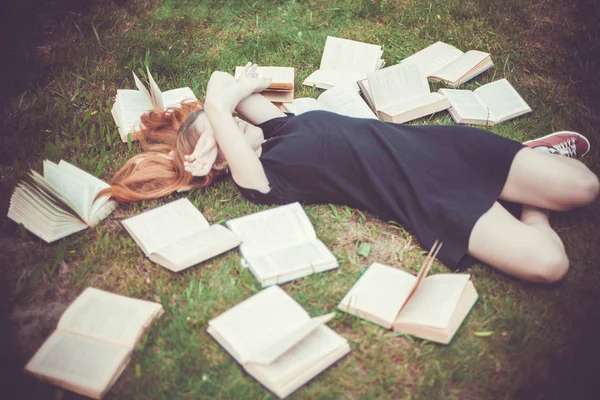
{"x": 564, "y": 143}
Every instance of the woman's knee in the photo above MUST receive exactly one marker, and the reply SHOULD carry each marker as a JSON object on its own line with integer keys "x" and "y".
{"x": 550, "y": 264}
{"x": 587, "y": 187}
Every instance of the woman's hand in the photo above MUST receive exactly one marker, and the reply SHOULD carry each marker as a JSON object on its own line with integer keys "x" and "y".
{"x": 229, "y": 96}
{"x": 204, "y": 155}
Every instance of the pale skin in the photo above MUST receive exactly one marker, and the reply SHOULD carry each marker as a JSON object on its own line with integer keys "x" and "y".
{"x": 528, "y": 249}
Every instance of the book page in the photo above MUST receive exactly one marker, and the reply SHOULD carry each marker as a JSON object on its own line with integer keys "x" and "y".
{"x": 274, "y": 228}
{"x": 502, "y": 100}
{"x": 302, "y": 362}
{"x": 129, "y": 106}
{"x": 350, "y": 55}
{"x": 141, "y": 89}
{"x": 395, "y": 84}
{"x": 344, "y": 101}
{"x": 196, "y": 248}
{"x": 174, "y": 97}
{"x": 435, "y": 301}
{"x": 157, "y": 99}
{"x": 285, "y": 343}
{"x": 327, "y": 78}
{"x": 108, "y": 317}
{"x": 95, "y": 184}
{"x": 461, "y": 66}
{"x": 433, "y": 58}
{"x": 413, "y": 108}
{"x": 281, "y": 77}
{"x": 165, "y": 225}
{"x": 78, "y": 363}
{"x": 466, "y": 105}
{"x": 379, "y": 294}
{"x": 292, "y": 262}
{"x": 253, "y": 325}
{"x": 302, "y": 105}
{"x": 72, "y": 187}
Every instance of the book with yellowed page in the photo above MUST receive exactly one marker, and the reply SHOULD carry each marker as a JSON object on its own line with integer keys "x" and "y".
{"x": 431, "y": 308}
{"x": 281, "y": 88}
{"x": 489, "y": 104}
{"x": 345, "y": 62}
{"x": 176, "y": 235}
{"x": 59, "y": 202}
{"x": 131, "y": 104}
{"x": 339, "y": 99}
{"x": 280, "y": 244}
{"x": 93, "y": 342}
{"x": 276, "y": 341}
{"x": 401, "y": 93}
{"x": 445, "y": 63}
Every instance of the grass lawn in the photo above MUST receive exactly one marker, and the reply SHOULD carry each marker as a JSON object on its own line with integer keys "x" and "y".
{"x": 62, "y": 62}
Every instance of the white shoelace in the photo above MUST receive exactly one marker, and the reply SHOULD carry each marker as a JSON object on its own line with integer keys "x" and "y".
{"x": 566, "y": 148}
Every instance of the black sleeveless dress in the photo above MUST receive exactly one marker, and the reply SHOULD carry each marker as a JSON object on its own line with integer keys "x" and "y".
{"x": 436, "y": 181}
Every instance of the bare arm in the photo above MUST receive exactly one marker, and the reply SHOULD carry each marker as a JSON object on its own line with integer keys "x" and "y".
{"x": 254, "y": 108}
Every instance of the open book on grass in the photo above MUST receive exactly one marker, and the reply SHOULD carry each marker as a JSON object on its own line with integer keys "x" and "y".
{"x": 131, "y": 104}
{"x": 177, "y": 236}
{"x": 276, "y": 341}
{"x": 487, "y": 105}
{"x": 280, "y": 244}
{"x": 59, "y": 203}
{"x": 340, "y": 99}
{"x": 345, "y": 62}
{"x": 282, "y": 82}
{"x": 400, "y": 93}
{"x": 446, "y": 63}
{"x": 93, "y": 341}
{"x": 431, "y": 308}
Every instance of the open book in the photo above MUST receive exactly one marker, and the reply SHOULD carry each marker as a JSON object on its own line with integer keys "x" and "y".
{"x": 276, "y": 341}
{"x": 431, "y": 308}
{"x": 59, "y": 203}
{"x": 93, "y": 341}
{"x": 282, "y": 82}
{"x": 338, "y": 99}
{"x": 131, "y": 104}
{"x": 487, "y": 105}
{"x": 401, "y": 93}
{"x": 280, "y": 244}
{"x": 177, "y": 236}
{"x": 446, "y": 63}
{"x": 345, "y": 62}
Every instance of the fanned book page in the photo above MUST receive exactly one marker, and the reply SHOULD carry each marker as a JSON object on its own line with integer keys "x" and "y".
{"x": 177, "y": 236}
{"x": 280, "y": 244}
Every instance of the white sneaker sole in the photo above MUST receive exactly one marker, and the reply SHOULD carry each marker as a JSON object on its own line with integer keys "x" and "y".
{"x": 562, "y": 133}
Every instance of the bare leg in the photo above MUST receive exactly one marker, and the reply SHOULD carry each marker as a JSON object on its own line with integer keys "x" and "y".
{"x": 549, "y": 181}
{"x": 528, "y": 249}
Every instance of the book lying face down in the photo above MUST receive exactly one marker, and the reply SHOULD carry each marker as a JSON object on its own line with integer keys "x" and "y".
{"x": 276, "y": 341}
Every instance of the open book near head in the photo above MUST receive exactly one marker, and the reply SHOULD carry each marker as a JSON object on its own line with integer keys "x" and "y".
{"x": 345, "y": 62}
{"x": 431, "y": 308}
{"x": 339, "y": 99}
{"x": 400, "y": 93}
{"x": 93, "y": 342}
{"x": 131, "y": 104}
{"x": 445, "y": 63}
{"x": 489, "y": 104}
{"x": 280, "y": 244}
{"x": 282, "y": 82}
{"x": 177, "y": 236}
{"x": 276, "y": 341}
{"x": 59, "y": 203}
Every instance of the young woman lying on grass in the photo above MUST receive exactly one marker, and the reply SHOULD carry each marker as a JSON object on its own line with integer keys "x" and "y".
{"x": 440, "y": 182}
